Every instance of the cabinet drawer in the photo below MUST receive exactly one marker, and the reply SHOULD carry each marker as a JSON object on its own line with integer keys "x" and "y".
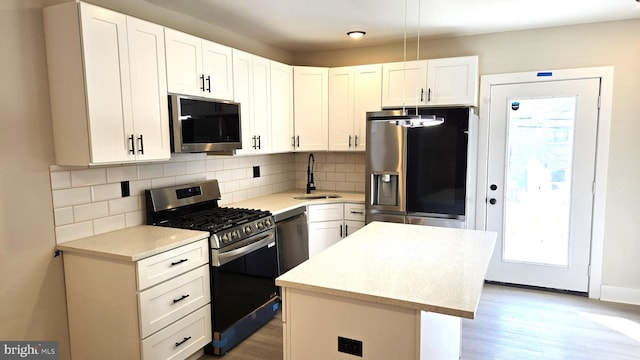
{"x": 354, "y": 212}
{"x": 325, "y": 212}
{"x": 168, "y": 264}
{"x": 180, "y": 339}
{"x": 169, "y": 301}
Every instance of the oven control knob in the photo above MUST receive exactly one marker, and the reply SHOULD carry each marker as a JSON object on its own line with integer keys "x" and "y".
{"x": 260, "y": 225}
{"x": 268, "y": 222}
{"x": 224, "y": 238}
{"x": 247, "y": 230}
{"x": 235, "y": 235}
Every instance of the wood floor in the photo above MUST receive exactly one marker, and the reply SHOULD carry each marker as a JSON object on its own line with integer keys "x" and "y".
{"x": 515, "y": 324}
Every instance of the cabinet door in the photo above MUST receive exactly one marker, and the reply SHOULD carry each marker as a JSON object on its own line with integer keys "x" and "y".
{"x": 217, "y": 68}
{"x": 262, "y": 103}
{"x": 341, "y": 93}
{"x": 311, "y": 105}
{"x": 281, "y": 107}
{"x": 323, "y": 234}
{"x": 367, "y": 97}
{"x": 148, "y": 90}
{"x": 184, "y": 63}
{"x": 404, "y": 83}
{"x": 453, "y": 81}
{"x": 243, "y": 83}
{"x": 108, "y": 85}
{"x": 351, "y": 226}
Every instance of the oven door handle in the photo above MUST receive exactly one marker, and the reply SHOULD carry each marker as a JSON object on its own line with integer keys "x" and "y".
{"x": 228, "y": 256}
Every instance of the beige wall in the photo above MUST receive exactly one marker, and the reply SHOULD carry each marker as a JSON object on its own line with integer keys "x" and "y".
{"x": 31, "y": 279}
{"x": 613, "y": 43}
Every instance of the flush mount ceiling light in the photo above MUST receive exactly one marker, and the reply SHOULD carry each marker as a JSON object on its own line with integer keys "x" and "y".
{"x": 357, "y": 34}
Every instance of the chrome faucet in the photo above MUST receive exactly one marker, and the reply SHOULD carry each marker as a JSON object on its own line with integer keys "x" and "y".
{"x": 310, "y": 184}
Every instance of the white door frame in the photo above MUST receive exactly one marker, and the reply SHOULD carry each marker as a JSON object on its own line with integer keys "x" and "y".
{"x": 605, "y": 74}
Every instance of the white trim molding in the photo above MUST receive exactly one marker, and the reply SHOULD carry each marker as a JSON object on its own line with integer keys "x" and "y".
{"x": 620, "y": 294}
{"x": 605, "y": 74}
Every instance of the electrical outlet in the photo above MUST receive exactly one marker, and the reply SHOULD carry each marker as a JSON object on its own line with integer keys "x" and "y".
{"x": 349, "y": 346}
{"x": 256, "y": 171}
{"x": 124, "y": 188}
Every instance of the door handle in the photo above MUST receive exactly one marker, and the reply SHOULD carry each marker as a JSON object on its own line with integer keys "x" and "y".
{"x": 493, "y": 201}
{"x": 141, "y": 150}
{"x": 259, "y": 143}
{"x": 131, "y": 142}
{"x": 208, "y": 83}
{"x": 349, "y": 141}
{"x": 253, "y": 139}
{"x": 341, "y": 231}
{"x": 202, "y": 79}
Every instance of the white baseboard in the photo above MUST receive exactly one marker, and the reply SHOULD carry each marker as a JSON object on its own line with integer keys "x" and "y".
{"x": 620, "y": 294}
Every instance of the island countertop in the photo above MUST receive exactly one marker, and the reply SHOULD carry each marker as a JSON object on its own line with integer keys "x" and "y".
{"x": 419, "y": 267}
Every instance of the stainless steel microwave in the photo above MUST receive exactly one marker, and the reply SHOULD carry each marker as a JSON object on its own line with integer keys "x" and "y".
{"x": 204, "y": 125}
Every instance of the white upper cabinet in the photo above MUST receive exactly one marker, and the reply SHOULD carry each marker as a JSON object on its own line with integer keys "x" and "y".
{"x": 435, "y": 82}
{"x": 252, "y": 89}
{"x": 404, "y": 84}
{"x": 353, "y": 91}
{"x": 281, "y": 107}
{"x": 311, "y": 105}
{"x": 452, "y": 81}
{"x": 148, "y": 90}
{"x": 198, "y": 67}
{"x": 107, "y": 86}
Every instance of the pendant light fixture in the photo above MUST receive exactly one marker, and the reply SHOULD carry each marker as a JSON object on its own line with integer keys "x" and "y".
{"x": 402, "y": 117}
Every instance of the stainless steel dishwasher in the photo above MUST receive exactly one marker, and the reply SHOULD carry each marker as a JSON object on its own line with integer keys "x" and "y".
{"x": 292, "y": 238}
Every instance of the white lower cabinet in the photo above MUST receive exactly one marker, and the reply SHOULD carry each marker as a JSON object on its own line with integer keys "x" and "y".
{"x": 154, "y": 308}
{"x": 329, "y": 223}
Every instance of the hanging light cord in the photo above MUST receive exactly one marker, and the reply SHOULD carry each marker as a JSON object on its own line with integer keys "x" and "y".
{"x": 404, "y": 61}
{"x": 418, "y": 53}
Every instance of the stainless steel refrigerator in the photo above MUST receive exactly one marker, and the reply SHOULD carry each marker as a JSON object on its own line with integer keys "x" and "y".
{"x": 421, "y": 175}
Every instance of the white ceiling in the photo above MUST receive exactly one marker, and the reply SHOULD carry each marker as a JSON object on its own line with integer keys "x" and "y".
{"x": 302, "y": 25}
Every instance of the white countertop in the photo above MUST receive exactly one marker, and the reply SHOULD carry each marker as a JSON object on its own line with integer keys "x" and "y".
{"x": 134, "y": 243}
{"x": 284, "y": 201}
{"x": 425, "y": 268}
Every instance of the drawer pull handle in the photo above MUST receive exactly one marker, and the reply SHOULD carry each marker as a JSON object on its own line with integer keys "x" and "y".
{"x": 181, "y": 298}
{"x": 178, "y": 262}
{"x": 357, "y": 212}
{"x": 183, "y": 341}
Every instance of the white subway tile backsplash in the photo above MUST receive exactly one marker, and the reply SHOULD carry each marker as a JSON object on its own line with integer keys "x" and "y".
{"x": 214, "y": 164}
{"x": 106, "y": 192}
{"x": 73, "y": 196}
{"x": 90, "y": 211}
{"x": 163, "y": 182}
{"x": 74, "y": 231}
{"x": 135, "y": 218}
{"x": 175, "y": 168}
{"x": 122, "y": 173}
{"x": 88, "y": 177}
{"x": 150, "y": 171}
{"x": 84, "y": 192}
{"x": 63, "y": 216}
{"x": 60, "y": 180}
{"x": 137, "y": 188}
{"x": 123, "y": 205}
{"x": 198, "y": 166}
{"x": 110, "y": 223}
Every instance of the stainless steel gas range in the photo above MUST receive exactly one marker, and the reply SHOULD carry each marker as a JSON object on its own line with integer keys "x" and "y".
{"x": 244, "y": 257}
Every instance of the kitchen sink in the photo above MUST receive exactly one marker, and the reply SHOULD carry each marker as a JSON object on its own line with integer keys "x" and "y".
{"x": 316, "y": 196}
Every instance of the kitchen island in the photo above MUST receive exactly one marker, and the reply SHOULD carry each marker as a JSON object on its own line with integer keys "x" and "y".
{"x": 389, "y": 291}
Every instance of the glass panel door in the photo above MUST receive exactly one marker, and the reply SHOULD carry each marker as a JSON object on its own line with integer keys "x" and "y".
{"x": 538, "y": 180}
